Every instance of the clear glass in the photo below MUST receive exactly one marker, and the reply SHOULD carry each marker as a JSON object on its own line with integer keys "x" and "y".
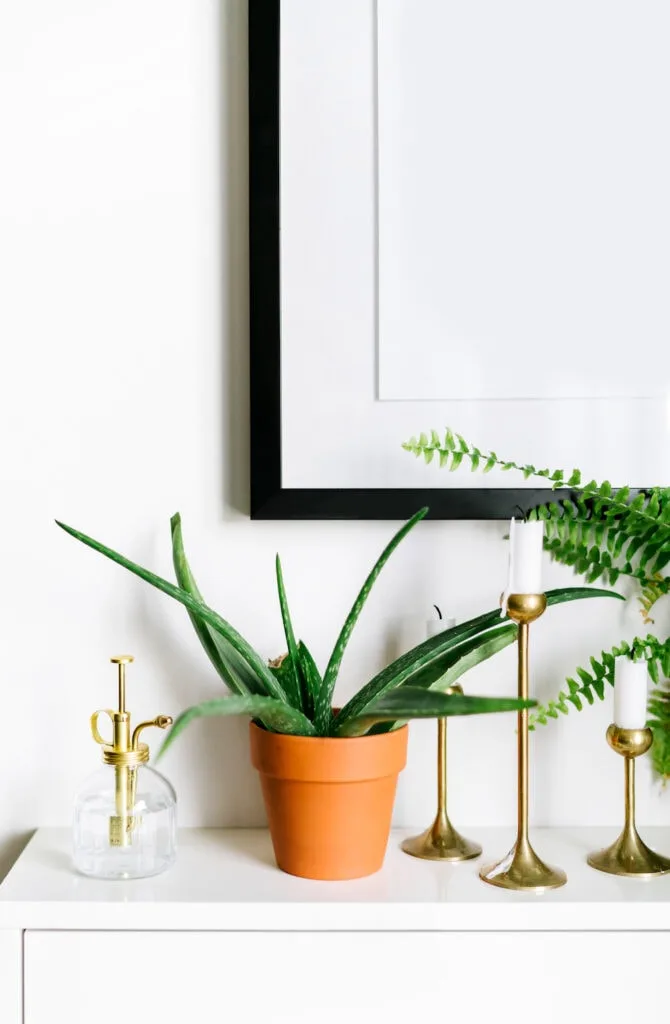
{"x": 125, "y": 823}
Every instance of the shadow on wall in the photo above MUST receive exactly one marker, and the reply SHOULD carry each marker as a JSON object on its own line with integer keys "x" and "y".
{"x": 10, "y": 849}
{"x": 233, "y": 173}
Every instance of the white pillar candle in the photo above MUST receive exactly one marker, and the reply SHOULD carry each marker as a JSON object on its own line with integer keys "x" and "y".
{"x": 437, "y": 625}
{"x": 525, "y": 559}
{"x": 630, "y": 693}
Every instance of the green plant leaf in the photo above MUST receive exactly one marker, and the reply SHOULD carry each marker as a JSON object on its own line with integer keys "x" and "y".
{"x": 431, "y": 659}
{"x": 293, "y": 689}
{"x": 592, "y": 684}
{"x": 233, "y": 670}
{"x": 410, "y": 702}
{"x": 471, "y": 653}
{"x": 323, "y": 711}
{"x": 276, "y": 715}
{"x": 253, "y": 660}
{"x": 460, "y": 660}
{"x": 310, "y": 679}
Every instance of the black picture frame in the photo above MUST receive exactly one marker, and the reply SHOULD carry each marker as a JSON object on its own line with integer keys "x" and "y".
{"x": 269, "y": 499}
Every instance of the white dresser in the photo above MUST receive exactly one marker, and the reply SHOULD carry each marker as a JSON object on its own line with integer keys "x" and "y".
{"x": 225, "y": 936}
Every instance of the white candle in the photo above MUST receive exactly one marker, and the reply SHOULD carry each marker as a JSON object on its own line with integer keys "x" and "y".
{"x": 630, "y": 693}
{"x": 437, "y": 625}
{"x": 525, "y": 559}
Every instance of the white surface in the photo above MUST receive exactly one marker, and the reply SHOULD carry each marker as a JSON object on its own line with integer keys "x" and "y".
{"x": 11, "y": 960}
{"x": 299, "y": 978}
{"x": 523, "y": 201}
{"x": 227, "y": 879}
{"x": 436, "y": 626}
{"x": 123, "y": 396}
{"x": 631, "y": 684}
{"x": 334, "y": 431}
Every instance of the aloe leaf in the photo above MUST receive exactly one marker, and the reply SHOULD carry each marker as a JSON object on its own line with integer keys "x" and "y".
{"x": 414, "y": 702}
{"x": 276, "y": 715}
{"x": 432, "y": 651}
{"x": 233, "y": 670}
{"x": 459, "y": 661}
{"x": 464, "y": 657}
{"x": 310, "y": 679}
{"x": 293, "y": 691}
{"x": 203, "y": 611}
{"x": 325, "y": 695}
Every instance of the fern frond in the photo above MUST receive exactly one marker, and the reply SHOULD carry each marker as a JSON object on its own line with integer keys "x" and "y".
{"x": 589, "y": 551}
{"x": 652, "y": 591}
{"x": 592, "y": 684}
{"x": 659, "y": 723}
{"x": 660, "y": 751}
{"x": 629, "y": 526}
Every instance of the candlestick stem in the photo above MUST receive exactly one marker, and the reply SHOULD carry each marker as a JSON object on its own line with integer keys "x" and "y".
{"x": 629, "y": 855}
{"x": 441, "y": 841}
{"x": 522, "y": 734}
{"x": 522, "y": 870}
{"x": 629, "y": 798}
{"x": 442, "y": 767}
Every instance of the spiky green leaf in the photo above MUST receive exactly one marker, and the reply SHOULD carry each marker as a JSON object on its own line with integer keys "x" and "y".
{"x": 323, "y": 709}
{"x": 292, "y": 675}
{"x": 414, "y": 702}
{"x": 253, "y": 660}
{"x": 276, "y": 715}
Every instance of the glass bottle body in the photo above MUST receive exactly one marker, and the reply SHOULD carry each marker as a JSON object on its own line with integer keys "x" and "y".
{"x": 125, "y": 823}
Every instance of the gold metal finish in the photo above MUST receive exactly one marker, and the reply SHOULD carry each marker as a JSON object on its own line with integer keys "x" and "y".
{"x": 441, "y": 841}
{"x": 522, "y": 870}
{"x": 629, "y": 855}
{"x": 125, "y": 755}
{"x": 122, "y": 660}
{"x": 160, "y": 722}
{"x": 526, "y": 608}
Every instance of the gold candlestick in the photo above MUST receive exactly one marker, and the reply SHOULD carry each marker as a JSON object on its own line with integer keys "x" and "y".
{"x": 441, "y": 841}
{"x": 522, "y": 869}
{"x": 628, "y": 855}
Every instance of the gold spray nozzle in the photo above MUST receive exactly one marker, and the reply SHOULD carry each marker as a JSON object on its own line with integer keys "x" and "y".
{"x": 160, "y": 722}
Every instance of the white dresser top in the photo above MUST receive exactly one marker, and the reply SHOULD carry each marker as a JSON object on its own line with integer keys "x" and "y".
{"x": 226, "y": 879}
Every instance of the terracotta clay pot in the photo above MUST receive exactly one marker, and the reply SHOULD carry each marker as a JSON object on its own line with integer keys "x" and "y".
{"x": 329, "y": 801}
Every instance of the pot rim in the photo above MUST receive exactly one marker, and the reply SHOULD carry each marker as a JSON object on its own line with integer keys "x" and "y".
{"x": 328, "y": 758}
{"x": 323, "y": 739}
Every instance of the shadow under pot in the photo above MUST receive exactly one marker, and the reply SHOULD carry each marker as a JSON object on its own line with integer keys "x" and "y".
{"x": 329, "y": 801}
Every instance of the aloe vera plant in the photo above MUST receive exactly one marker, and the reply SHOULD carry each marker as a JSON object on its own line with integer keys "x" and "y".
{"x": 291, "y": 696}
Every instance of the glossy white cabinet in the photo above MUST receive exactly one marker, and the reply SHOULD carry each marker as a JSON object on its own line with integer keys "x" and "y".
{"x": 341, "y": 978}
{"x": 226, "y": 936}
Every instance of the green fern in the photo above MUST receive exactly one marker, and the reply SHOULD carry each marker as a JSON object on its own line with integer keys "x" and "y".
{"x": 603, "y": 534}
{"x": 591, "y": 684}
{"x": 598, "y": 530}
{"x": 659, "y": 723}
{"x": 651, "y": 592}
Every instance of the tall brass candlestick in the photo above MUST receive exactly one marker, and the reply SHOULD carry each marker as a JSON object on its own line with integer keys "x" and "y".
{"x": 522, "y": 869}
{"x": 441, "y": 841}
{"x": 628, "y": 855}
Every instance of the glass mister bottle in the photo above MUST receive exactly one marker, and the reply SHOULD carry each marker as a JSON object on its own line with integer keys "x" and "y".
{"x": 125, "y": 818}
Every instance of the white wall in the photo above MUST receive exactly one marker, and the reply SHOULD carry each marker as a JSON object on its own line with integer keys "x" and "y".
{"x": 123, "y": 397}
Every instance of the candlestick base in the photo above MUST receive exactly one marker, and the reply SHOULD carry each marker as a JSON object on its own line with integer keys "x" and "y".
{"x": 441, "y": 842}
{"x": 523, "y": 871}
{"x": 629, "y": 856}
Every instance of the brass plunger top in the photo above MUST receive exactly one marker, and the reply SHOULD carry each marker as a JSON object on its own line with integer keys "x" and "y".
{"x": 124, "y": 749}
